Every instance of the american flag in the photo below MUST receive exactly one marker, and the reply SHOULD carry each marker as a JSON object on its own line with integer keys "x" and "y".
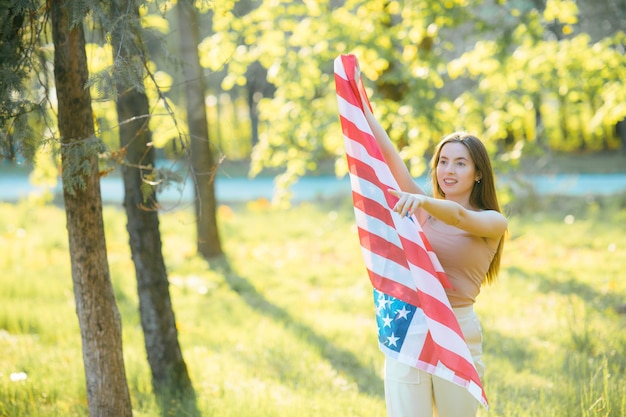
{"x": 416, "y": 324}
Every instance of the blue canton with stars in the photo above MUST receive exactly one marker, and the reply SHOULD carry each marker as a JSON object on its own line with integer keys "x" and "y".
{"x": 393, "y": 317}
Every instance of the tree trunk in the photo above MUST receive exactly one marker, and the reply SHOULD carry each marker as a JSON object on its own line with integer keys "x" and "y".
{"x": 253, "y": 109}
{"x": 98, "y": 317}
{"x": 170, "y": 379}
{"x": 257, "y": 87}
{"x": 563, "y": 119}
{"x": 202, "y": 159}
{"x": 620, "y": 131}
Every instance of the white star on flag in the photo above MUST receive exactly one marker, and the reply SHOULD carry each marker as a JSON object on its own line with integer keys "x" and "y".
{"x": 392, "y": 340}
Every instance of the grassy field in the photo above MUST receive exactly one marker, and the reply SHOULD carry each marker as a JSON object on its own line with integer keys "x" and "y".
{"x": 291, "y": 331}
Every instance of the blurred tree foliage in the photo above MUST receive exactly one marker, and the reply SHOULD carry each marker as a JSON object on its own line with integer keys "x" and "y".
{"x": 521, "y": 74}
{"x": 526, "y": 75}
{"x": 18, "y": 58}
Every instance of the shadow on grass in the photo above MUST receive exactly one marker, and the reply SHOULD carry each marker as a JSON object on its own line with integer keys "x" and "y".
{"x": 367, "y": 380}
{"x": 591, "y": 295}
{"x": 513, "y": 350}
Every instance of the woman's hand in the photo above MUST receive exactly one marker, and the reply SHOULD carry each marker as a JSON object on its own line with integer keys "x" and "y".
{"x": 407, "y": 203}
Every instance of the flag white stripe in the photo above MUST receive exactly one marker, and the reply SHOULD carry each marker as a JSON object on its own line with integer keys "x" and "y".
{"x": 355, "y": 115}
{"x": 387, "y": 269}
{"x": 357, "y": 151}
{"x": 377, "y": 227}
{"x": 443, "y": 335}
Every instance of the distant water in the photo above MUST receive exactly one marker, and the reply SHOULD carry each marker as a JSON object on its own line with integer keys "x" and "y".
{"x": 12, "y": 187}
{"x": 579, "y": 184}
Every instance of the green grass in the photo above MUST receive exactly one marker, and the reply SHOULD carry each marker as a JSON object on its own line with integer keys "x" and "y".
{"x": 291, "y": 331}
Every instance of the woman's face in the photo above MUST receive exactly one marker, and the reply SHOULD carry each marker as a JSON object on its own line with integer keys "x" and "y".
{"x": 456, "y": 171}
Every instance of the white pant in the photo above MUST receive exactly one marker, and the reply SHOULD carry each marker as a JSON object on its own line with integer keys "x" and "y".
{"x": 410, "y": 392}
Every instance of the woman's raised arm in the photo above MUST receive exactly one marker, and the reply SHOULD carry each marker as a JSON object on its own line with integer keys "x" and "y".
{"x": 397, "y": 166}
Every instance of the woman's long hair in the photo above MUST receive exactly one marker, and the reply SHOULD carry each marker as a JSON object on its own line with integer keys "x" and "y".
{"x": 483, "y": 194}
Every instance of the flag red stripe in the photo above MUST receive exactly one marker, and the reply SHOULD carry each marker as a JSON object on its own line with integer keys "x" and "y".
{"x": 440, "y": 313}
{"x": 388, "y": 286}
{"x": 417, "y": 255}
{"x": 433, "y": 352}
{"x": 372, "y": 208}
{"x": 367, "y": 173}
{"x": 382, "y": 248}
{"x": 346, "y": 89}
{"x": 351, "y": 130}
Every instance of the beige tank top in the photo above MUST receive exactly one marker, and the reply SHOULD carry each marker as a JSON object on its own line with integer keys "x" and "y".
{"x": 464, "y": 257}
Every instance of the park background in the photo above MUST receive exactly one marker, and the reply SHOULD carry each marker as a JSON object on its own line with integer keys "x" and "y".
{"x": 281, "y": 322}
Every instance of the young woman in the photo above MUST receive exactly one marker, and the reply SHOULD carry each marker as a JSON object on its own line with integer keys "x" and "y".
{"x": 465, "y": 227}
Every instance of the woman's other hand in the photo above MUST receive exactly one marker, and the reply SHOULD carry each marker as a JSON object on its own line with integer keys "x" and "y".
{"x": 407, "y": 203}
